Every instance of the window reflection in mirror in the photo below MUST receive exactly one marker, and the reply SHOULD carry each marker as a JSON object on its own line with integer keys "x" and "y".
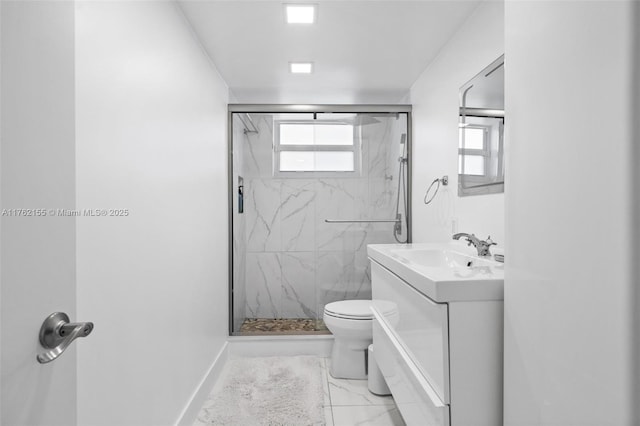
{"x": 481, "y": 132}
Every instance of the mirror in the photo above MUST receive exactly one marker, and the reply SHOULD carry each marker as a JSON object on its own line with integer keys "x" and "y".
{"x": 481, "y": 132}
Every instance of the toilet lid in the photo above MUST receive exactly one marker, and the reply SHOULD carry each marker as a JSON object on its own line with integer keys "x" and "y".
{"x": 357, "y": 309}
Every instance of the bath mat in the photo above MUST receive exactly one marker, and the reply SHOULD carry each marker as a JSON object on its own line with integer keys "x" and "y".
{"x": 266, "y": 391}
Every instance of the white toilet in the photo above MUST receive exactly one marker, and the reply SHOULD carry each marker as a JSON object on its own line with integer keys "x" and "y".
{"x": 350, "y": 321}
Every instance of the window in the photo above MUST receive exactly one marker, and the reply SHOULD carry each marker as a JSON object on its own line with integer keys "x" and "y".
{"x": 473, "y": 150}
{"x": 315, "y": 148}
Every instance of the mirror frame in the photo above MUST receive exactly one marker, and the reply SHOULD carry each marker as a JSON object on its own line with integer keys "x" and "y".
{"x": 467, "y": 185}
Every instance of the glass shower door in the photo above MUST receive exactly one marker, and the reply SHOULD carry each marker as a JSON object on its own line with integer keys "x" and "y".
{"x": 310, "y": 192}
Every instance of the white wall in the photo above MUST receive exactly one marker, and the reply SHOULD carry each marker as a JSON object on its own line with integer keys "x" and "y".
{"x": 568, "y": 279}
{"x": 435, "y": 139}
{"x": 151, "y": 138}
{"x": 37, "y": 172}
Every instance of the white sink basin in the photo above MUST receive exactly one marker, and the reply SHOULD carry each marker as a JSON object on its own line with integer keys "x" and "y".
{"x": 443, "y": 272}
{"x": 439, "y": 258}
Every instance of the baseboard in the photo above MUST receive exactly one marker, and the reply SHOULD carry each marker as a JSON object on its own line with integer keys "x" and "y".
{"x": 253, "y": 346}
{"x": 190, "y": 412}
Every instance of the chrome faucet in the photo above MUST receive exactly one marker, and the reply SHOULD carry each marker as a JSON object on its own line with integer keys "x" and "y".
{"x": 481, "y": 245}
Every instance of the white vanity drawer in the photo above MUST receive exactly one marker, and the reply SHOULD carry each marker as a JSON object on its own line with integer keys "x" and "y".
{"x": 416, "y": 399}
{"x": 421, "y": 327}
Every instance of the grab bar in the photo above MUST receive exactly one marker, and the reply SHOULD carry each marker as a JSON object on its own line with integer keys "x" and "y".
{"x": 57, "y": 333}
{"x": 361, "y": 220}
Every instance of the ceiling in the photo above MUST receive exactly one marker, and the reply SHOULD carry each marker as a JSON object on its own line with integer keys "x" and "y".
{"x": 363, "y": 51}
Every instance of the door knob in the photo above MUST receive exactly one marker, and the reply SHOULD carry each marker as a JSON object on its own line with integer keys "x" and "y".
{"x": 57, "y": 333}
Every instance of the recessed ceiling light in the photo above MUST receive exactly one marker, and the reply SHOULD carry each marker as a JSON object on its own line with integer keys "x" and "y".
{"x": 301, "y": 67}
{"x": 300, "y": 13}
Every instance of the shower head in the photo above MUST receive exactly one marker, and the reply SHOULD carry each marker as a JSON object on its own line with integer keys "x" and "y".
{"x": 403, "y": 144}
{"x": 354, "y": 119}
{"x": 363, "y": 120}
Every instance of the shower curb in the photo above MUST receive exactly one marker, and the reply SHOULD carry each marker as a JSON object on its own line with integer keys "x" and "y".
{"x": 254, "y": 346}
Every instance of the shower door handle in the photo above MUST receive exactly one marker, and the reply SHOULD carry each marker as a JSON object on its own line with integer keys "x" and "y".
{"x": 57, "y": 333}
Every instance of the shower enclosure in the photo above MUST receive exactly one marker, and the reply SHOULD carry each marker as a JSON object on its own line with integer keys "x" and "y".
{"x": 309, "y": 187}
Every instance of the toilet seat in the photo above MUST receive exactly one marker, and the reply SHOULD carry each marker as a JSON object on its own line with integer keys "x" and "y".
{"x": 357, "y": 309}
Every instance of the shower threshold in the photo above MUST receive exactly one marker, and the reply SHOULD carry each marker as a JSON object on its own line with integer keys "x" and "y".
{"x": 282, "y": 326}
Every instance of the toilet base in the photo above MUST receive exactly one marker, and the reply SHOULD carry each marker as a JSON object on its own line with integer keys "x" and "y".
{"x": 348, "y": 358}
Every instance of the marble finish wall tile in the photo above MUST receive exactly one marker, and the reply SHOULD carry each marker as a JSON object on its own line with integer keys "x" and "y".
{"x": 263, "y": 215}
{"x": 336, "y": 199}
{"x": 378, "y": 233}
{"x": 298, "y": 205}
{"x": 340, "y": 277}
{"x": 298, "y": 285}
{"x": 259, "y": 147}
{"x": 264, "y": 285}
{"x": 334, "y": 270}
{"x": 285, "y": 218}
{"x": 379, "y": 140}
{"x": 360, "y": 285}
{"x": 381, "y": 195}
{"x": 361, "y": 203}
{"x": 239, "y": 282}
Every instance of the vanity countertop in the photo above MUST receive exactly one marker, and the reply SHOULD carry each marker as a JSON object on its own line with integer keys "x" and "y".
{"x": 444, "y": 272}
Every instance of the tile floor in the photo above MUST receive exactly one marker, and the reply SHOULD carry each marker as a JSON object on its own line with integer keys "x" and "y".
{"x": 349, "y": 403}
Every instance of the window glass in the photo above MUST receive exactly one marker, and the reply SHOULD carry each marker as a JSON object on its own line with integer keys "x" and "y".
{"x": 315, "y": 147}
{"x": 334, "y": 134}
{"x": 296, "y": 134}
{"x": 473, "y": 138}
{"x": 473, "y": 165}
{"x": 339, "y": 161}
{"x": 318, "y": 161}
{"x": 297, "y": 161}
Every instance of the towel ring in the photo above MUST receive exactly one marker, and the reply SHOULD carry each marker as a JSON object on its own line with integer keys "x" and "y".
{"x": 444, "y": 180}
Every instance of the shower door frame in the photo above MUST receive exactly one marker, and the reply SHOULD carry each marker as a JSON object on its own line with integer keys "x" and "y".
{"x": 309, "y": 109}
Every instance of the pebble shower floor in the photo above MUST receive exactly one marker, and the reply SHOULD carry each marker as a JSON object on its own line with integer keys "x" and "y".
{"x": 283, "y": 326}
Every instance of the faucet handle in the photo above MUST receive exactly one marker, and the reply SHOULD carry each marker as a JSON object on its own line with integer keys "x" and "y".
{"x": 490, "y": 242}
{"x": 471, "y": 240}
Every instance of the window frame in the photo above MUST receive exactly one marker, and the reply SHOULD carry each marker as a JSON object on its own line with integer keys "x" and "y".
{"x": 356, "y": 148}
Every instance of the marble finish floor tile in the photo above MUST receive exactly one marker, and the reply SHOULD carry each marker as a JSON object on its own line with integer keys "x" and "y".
{"x": 354, "y": 392}
{"x": 325, "y": 384}
{"x": 370, "y": 415}
{"x": 328, "y": 416}
{"x": 351, "y": 403}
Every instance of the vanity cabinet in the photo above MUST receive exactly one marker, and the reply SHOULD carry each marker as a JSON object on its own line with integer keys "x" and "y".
{"x": 443, "y": 361}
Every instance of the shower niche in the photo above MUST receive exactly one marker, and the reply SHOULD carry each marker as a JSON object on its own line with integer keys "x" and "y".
{"x": 310, "y": 187}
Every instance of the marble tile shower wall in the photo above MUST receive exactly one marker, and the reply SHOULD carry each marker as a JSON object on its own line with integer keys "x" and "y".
{"x": 295, "y": 262}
